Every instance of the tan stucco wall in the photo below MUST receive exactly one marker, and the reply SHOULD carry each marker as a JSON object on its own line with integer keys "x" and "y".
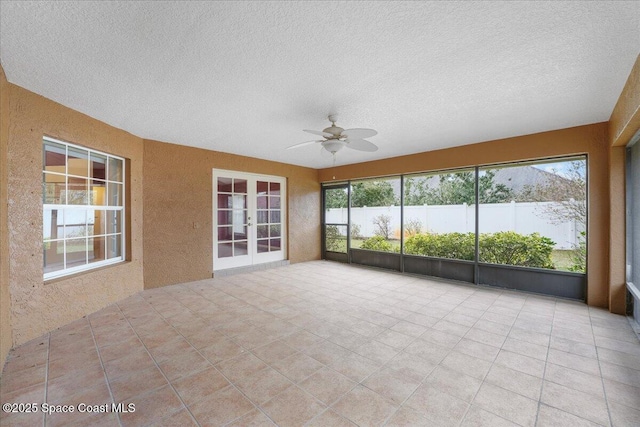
{"x": 623, "y": 125}
{"x": 178, "y": 194}
{"x": 5, "y": 305}
{"x": 625, "y": 117}
{"x": 36, "y": 306}
{"x": 591, "y": 140}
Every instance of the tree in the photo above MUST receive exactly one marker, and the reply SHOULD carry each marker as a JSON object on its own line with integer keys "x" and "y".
{"x": 373, "y": 193}
{"x": 335, "y": 198}
{"x": 382, "y": 224}
{"x": 455, "y": 189}
{"x": 569, "y": 192}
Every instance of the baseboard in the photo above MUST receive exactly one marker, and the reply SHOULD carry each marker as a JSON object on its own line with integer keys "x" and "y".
{"x": 249, "y": 268}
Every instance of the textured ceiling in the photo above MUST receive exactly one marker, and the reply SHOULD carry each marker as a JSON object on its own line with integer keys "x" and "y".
{"x": 247, "y": 77}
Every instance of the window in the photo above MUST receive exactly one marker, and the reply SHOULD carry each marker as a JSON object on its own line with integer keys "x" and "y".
{"x": 83, "y": 208}
{"x": 535, "y": 214}
{"x": 440, "y": 215}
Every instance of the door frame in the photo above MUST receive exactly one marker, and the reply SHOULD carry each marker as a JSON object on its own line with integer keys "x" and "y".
{"x": 253, "y": 257}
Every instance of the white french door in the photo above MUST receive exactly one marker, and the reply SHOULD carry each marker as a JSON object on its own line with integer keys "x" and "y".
{"x": 249, "y": 219}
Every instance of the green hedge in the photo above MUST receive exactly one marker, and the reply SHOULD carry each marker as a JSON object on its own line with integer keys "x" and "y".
{"x": 377, "y": 243}
{"x": 504, "y": 247}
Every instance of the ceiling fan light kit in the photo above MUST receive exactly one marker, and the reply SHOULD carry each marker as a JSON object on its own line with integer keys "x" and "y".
{"x": 336, "y": 138}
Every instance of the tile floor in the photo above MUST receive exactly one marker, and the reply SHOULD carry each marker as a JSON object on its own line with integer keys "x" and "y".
{"x": 326, "y": 344}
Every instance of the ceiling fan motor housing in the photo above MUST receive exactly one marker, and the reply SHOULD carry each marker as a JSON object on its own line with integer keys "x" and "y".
{"x": 334, "y": 130}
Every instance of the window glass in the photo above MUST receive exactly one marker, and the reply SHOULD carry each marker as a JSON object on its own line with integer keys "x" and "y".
{"x": 83, "y": 208}
{"x": 534, "y": 215}
{"x": 439, "y": 215}
{"x": 375, "y": 215}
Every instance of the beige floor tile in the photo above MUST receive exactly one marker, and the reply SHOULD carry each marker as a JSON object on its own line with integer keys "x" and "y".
{"x": 516, "y": 381}
{"x": 466, "y": 364}
{"x": 521, "y": 363}
{"x": 329, "y": 419}
{"x": 127, "y": 386}
{"x": 355, "y": 367}
{"x": 477, "y": 417}
{"x": 198, "y": 386}
{"x": 273, "y": 352}
{"x": 223, "y": 350}
{"x": 411, "y": 366}
{"x": 624, "y": 416}
{"x": 263, "y": 385}
{"x": 327, "y": 385}
{"x": 326, "y": 352}
{"x": 591, "y": 384}
{"x": 427, "y": 343}
{"x": 364, "y": 407}
{"x": 620, "y": 373}
{"x": 553, "y": 417}
{"x": 378, "y": 352}
{"x": 477, "y": 349}
{"x": 183, "y": 365}
{"x": 454, "y": 383}
{"x": 575, "y": 402}
{"x": 409, "y": 328}
{"x": 297, "y": 367}
{"x": 221, "y": 407}
{"x": 622, "y": 393}
{"x": 241, "y": 367}
{"x": 255, "y": 418}
{"x": 301, "y": 340}
{"x": 437, "y": 406}
{"x": 484, "y": 337}
{"x": 151, "y": 407}
{"x": 430, "y": 352}
{"x": 292, "y": 408}
{"x": 409, "y": 417}
{"x": 573, "y": 361}
{"x": 526, "y": 348}
{"x": 392, "y": 385}
{"x": 507, "y": 404}
{"x": 574, "y": 347}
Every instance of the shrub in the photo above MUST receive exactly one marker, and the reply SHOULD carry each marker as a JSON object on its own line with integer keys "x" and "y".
{"x": 446, "y": 245}
{"x": 377, "y": 243}
{"x": 504, "y": 247}
{"x": 508, "y": 247}
{"x": 334, "y": 241}
{"x": 579, "y": 257}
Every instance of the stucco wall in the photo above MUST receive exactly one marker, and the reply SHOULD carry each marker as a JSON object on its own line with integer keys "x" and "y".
{"x": 36, "y": 306}
{"x": 591, "y": 140}
{"x": 623, "y": 125}
{"x": 625, "y": 117}
{"x": 178, "y": 244}
{"x": 5, "y": 305}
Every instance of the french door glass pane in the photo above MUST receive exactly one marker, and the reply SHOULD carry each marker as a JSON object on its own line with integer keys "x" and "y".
{"x": 225, "y": 201}
{"x": 225, "y": 233}
{"x": 274, "y": 188}
{"x": 262, "y": 187}
{"x": 274, "y": 245}
{"x": 225, "y": 185}
{"x": 240, "y": 248}
{"x": 240, "y": 186}
{"x": 225, "y": 250}
{"x": 263, "y": 246}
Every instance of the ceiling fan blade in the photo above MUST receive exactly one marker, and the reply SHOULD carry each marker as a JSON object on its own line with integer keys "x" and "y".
{"x": 318, "y": 132}
{"x": 361, "y": 145}
{"x": 359, "y": 133}
{"x": 302, "y": 144}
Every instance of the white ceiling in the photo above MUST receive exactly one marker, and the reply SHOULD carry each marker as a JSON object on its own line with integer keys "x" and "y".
{"x": 247, "y": 77}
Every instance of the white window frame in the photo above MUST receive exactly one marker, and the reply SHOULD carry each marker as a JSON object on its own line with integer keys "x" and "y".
{"x": 86, "y": 208}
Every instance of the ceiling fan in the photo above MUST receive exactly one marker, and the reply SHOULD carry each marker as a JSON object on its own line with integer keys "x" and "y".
{"x": 335, "y": 138}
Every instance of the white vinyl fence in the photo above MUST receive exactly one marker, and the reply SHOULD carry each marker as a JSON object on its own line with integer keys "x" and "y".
{"x": 521, "y": 217}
